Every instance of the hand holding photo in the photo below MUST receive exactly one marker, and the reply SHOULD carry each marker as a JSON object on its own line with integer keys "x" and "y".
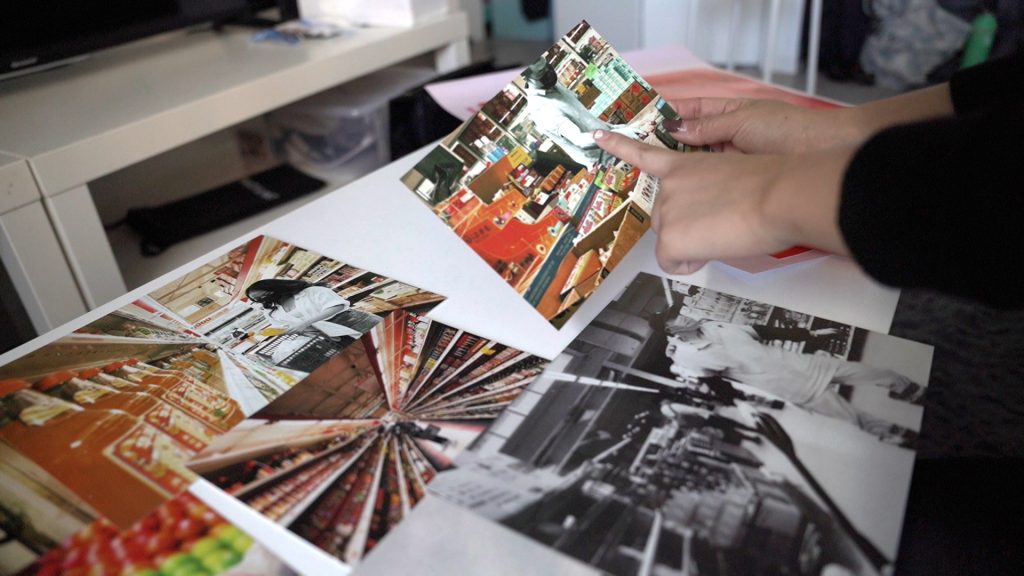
{"x": 524, "y": 184}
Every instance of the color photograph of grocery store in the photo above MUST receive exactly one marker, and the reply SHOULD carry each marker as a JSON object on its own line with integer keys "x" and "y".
{"x": 217, "y": 302}
{"x": 97, "y": 427}
{"x": 524, "y": 185}
{"x": 344, "y": 455}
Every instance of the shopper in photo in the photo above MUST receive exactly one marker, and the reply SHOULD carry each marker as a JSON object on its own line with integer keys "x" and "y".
{"x": 700, "y": 348}
{"x": 560, "y": 116}
{"x": 299, "y": 307}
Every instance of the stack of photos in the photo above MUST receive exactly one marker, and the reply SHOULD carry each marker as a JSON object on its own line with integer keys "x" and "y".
{"x": 523, "y": 183}
{"x": 344, "y": 455}
{"x": 687, "y": 431}
{"x": 100, "y": 424}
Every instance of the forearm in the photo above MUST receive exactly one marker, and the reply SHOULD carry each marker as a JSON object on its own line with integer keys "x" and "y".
{"x": 923, "y": 104}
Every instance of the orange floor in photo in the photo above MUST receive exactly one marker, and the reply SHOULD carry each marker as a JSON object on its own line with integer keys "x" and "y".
{"x": 493, "y": 232}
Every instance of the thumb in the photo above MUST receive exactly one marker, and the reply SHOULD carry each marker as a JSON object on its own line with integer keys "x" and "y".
{"x": 708, "y": 130}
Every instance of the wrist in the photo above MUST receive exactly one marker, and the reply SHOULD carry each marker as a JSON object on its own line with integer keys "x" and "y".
{"x": 859, "y": 123}
{"x": 801, "y": 203}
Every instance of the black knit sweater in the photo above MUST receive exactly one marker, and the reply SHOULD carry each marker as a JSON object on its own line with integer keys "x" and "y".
{"x": 940, "y": 204}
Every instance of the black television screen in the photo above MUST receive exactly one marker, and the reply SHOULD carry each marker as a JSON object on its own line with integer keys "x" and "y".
{"x": 34, "y": 33}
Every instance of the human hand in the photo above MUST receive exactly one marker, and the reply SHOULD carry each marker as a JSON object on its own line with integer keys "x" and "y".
{"x": 821, "y": 332}
{"x": 763, "y": 126}
{"x": 712, "y": 206}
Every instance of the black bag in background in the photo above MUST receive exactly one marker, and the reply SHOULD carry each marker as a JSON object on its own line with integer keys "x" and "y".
{"x": 166, "y": 225}
{"x": 416, "y": 120}
{"x": 845, "y": 25}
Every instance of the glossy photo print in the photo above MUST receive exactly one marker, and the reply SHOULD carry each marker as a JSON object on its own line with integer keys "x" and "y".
{"x": 100, "y": 423}
{"x": 182, "y": 536}
{"x": 523, "y": 183}
{"x": 344, "y": 455}
{"x": 277, "y": 311}
{"x": 687, "y": 431}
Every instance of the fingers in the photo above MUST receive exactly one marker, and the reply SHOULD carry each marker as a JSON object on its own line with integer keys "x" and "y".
{"x": 655, "y": 161}
{"x": 670, "y": 262}
{"x": 708, "y": 130}
{"x": 693, "y": 108}
{"x": 690, "y": 266}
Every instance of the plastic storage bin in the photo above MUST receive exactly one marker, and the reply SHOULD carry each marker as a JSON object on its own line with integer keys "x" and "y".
{"x": 333, "y": 127}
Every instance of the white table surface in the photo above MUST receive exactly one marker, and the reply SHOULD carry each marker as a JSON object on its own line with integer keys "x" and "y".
{"x": 378, "y": 224}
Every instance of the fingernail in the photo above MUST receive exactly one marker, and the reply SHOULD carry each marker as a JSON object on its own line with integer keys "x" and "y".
{"x": 671, "y": 125}
{"x": 598, "y": 134}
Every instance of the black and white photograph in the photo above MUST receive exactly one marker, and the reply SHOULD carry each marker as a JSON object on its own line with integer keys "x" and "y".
{"x": 687, "y": 431}
{"x": 524, "y": 184}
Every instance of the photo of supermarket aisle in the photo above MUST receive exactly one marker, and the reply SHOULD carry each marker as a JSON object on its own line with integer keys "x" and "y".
{"x": 344, "y": 455}
{"x": 279, "y": 311}
{"x": 182, "y": 536}
{"x": 98, "y": 429}
{"x": 101, "y": 422}
{"x": 111, "y": 422}
{"x": 636, "y": 458}
{"x": 523, "y": 183}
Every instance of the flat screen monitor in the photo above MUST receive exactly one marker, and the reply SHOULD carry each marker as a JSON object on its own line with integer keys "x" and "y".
{"x": 38, "y": 33}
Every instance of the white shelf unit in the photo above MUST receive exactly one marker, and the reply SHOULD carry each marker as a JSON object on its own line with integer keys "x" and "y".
{"x": 74, "y": 125}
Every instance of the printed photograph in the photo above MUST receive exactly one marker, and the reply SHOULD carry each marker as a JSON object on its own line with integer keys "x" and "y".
{"x": 687, "y": 431}
{"x": 108, "y": 423}
{"x": 344, "y": 455}
{"x": 101, "y": 423}
{"x": 523, "y": 183}
{"x": 279, "y": 311}
{"x": 182, "y": 536}
{"x": 714, "y": 83}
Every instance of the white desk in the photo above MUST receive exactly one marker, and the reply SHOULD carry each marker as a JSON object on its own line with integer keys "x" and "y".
{"x": 64, "y": 128}
{"x": 30, "y": 250}
{"x": 376, "y": 223}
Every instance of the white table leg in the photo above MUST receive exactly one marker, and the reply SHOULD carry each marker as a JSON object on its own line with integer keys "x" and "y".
{"x": 768, "y": 64}
{"x": 813, "y": 45}
{"x": 691, "y": 25}
{"x": 38, "y": 269}
{"x": 85, "y": 243}
{"x": 734, "y": 23}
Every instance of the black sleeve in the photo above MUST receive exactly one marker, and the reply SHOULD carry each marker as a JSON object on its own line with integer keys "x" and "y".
{"x": 993, "y": 86}
{"x": 940, "y": 205}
